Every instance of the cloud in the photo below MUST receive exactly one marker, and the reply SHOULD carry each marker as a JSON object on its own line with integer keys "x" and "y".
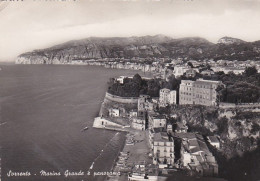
{"x": 35, "y": 25}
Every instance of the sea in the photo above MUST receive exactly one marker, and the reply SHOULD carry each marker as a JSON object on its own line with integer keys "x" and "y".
{"x": 43, "y": 109}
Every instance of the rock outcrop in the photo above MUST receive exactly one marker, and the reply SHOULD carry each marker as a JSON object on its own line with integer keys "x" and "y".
{"x": 238, "y": 129}
{"x": 229, "y": 40}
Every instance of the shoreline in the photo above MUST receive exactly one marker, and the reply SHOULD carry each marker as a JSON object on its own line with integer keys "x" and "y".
{"x": 134, "y": 152}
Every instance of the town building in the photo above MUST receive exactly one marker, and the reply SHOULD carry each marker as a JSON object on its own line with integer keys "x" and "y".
{"x": 114, "y": 112}
{"x": 167, "y": 97}
{"x": 163, "y": 149}
{"x": 156, "y": 121}
{"x": 180, "y": 70}
{"x": 152, "y": 132}
{"x": 138, "y": 123}
{"x": 145, "y": 103}
{"x": 142, "y": 100}
{"x": 195, "y": 154}
{"x": 191, "y": 72}
{"x": 201, "y": 92}
{"x": 207, "y": 72}
{"x": 181, "y": 127}
{"x": 133, "y": 113}
{"x": 186, "y": 92}
{"x": 121, "y": 79}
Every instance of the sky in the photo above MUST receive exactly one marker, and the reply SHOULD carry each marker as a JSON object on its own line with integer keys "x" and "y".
{"x": 35, "y": 24}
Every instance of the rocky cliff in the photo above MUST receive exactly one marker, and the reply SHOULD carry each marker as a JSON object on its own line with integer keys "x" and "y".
{"x": 146, "y": 46}
{"x": 238, "y": 129}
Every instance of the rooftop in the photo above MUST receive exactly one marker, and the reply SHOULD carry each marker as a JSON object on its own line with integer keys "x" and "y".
{"x": 213, "y": 139}
{"x": 160, "y": 137}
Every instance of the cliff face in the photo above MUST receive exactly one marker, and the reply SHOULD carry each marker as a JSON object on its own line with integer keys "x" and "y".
{"x": 238, "y": 129}
{"x": 146, "y": 46}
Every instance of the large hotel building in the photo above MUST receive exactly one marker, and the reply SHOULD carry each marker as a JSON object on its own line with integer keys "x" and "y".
{"x": 202, "y": 92}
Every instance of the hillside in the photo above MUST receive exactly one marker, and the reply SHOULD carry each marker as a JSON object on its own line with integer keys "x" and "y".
{"x": 146, "y": 46}
{"x": 238, "y": 130}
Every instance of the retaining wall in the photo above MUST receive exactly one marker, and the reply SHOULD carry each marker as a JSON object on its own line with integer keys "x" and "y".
{"x": 126, "y": 100}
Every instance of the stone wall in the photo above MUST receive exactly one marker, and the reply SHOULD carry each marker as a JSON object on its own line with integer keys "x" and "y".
{"x": 126, "y": 100}
{"x": 241, "y": 105}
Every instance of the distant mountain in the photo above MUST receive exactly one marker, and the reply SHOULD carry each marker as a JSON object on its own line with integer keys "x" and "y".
{"x": 145, "y": 46}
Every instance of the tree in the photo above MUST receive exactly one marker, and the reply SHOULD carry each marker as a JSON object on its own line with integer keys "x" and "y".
{"x": 250, "y": 71}
{"x": 137, "y": 79}
{"x": 190, "y": 64}
{"x": 255, "y": 128}
{"x": 222, "y": 125}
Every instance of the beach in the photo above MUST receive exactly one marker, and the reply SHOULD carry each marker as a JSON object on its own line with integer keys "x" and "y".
{"x": 136, "y": 152}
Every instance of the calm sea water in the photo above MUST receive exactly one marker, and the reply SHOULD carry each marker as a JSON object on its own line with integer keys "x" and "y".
{"x": 43, "y": 109}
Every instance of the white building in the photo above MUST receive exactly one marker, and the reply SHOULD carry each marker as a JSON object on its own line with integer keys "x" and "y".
{"x": 138, "y": 123}
{"x": 156, "y": 121}
{"x": 133, "y": 113}
{"x": 114, "y": 112}
{"x": 163, "y": 149}
{"x": 180, "y": 70}
{"x": 186, "y": 92}
{"x": 167, "y": 97}
{"x": 121, "y": 79}
{"x": 201, "y": 92}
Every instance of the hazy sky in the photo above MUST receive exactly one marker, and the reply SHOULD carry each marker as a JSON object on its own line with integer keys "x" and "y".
{"x": 36, "y": 24}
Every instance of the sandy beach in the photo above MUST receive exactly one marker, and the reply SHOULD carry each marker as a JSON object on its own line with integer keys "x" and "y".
{"x": 135, "y": 152}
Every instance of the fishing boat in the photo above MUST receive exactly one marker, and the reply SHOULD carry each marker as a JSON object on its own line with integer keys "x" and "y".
{"x": 91, "y": 167}
{"x": 2, "y": 123}
{"x": 84, "y": 129}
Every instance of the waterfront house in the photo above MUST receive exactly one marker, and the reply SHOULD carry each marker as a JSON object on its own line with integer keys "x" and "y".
{"x": 163, "y": 149}
{"x": 114, "y": 112}
{"x": 138, "y": 123}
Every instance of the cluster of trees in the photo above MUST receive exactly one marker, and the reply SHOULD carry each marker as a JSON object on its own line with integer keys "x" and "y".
{"x": 243, "y": 88}
{"x": 136, "y": 86}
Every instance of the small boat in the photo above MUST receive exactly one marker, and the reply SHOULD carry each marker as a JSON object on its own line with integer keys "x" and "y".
{"x": 84, "y": 129}
{"x": 91, "y": 166}
{"x": 3, "y": 123}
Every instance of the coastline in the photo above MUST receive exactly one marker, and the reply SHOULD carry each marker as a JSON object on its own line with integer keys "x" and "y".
{"x": 131, "y": 154}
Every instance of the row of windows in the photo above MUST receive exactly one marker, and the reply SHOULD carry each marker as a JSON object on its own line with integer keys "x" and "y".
{"x": 198, "y": 96}
{"x": 202, "y": 96}
{"x": 185, "y": 93}
{"x": 187, "y": 99}
{"x": 164, "y": 150}
{"x": 202, "y": 86}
